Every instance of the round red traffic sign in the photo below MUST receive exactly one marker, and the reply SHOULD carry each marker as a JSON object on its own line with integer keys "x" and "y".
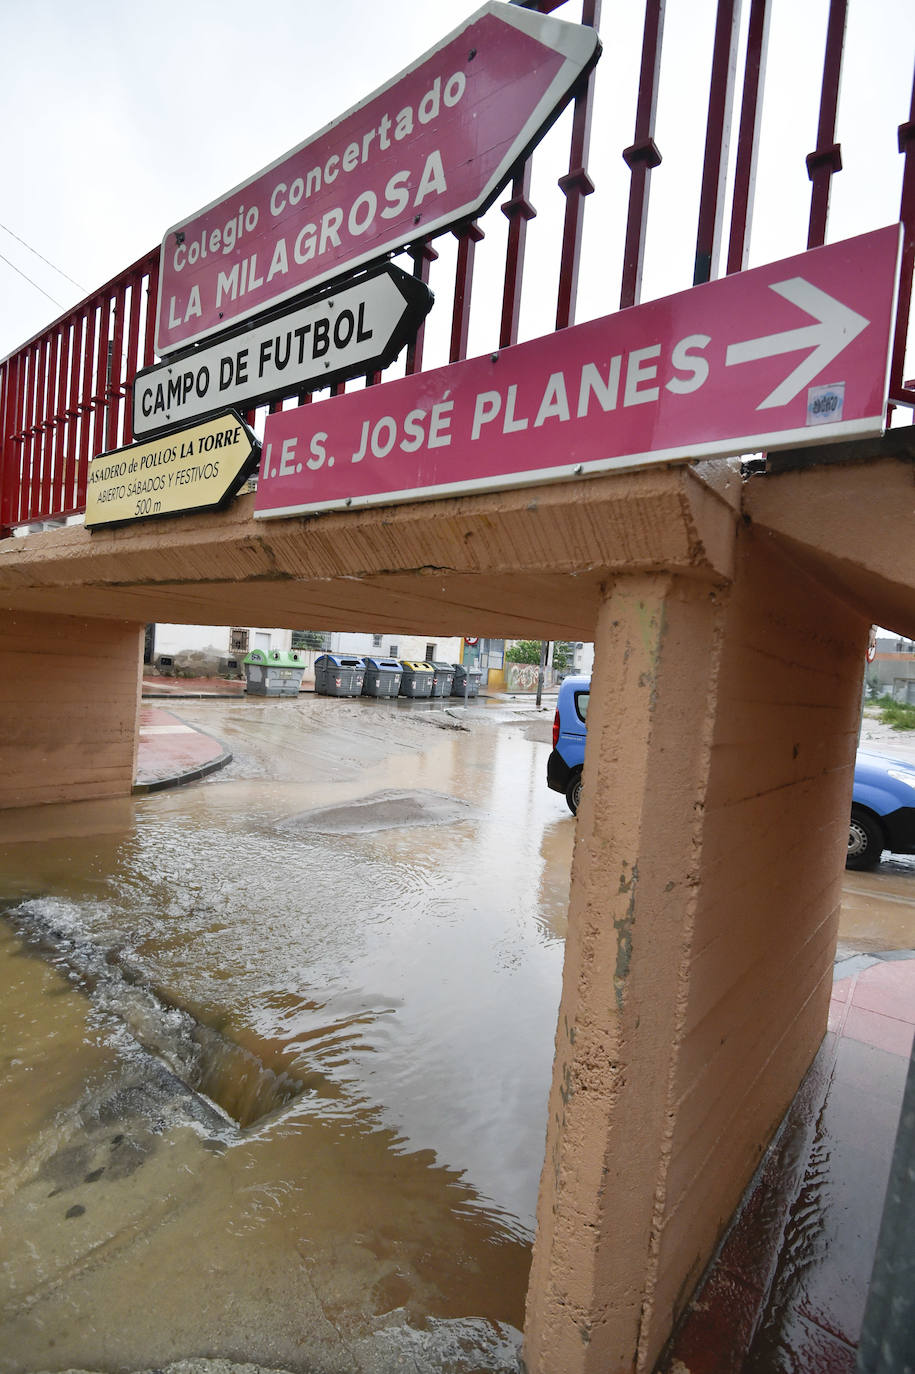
{"x": 471, "y": 642}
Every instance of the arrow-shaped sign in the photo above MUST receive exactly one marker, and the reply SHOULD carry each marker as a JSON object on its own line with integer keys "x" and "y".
{"x": 357, "y": 329}
{"x": 653, "y": 384}
{"x": 836, "y": 327}
{"x": 431, "y": 148}
{"x": 192, "y": 469}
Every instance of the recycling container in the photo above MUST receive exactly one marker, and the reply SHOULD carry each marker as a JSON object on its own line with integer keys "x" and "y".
{"x": 255, "y": 666}
{"x": 472, "y": 677}
{"x": 382, "y": 677}
{"x": 416, "y": 680}
{"x": 442, "y": 678}
{"x": 339, "y": 675}
{"x": 273, "y": 673}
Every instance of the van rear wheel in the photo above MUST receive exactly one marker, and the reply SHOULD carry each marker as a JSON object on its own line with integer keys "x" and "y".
{"x": 573, "y": 792}
{"x": 865, "y": 840}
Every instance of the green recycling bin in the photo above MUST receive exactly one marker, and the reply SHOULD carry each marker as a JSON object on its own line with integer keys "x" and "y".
{"x": 273, "y": 673}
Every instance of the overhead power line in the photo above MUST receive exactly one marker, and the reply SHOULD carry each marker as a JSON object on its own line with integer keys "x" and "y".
{"x": 59, "y": 270}
{"x": 51, "y": 298}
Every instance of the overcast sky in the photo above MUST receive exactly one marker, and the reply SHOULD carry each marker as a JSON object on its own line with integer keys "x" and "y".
{"x": 122, "y": 118}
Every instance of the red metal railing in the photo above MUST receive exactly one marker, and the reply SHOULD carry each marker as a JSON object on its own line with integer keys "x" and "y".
{"x": 65, "y": 394}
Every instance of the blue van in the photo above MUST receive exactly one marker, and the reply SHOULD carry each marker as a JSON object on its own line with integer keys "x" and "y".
{"x": 563, "y": 768}
{"x": 882, "y": 809}
{"x": 883, "y": 798}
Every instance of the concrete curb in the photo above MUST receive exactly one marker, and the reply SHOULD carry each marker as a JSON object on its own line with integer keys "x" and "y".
{"x": 178, "y": 779}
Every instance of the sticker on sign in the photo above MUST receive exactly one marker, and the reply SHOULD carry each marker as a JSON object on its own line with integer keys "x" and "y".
{"x": 730, "y": 367}
{"x": 432, "y": 147}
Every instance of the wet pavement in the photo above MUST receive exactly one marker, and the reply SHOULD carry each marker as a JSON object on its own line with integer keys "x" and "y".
{"x": 787, "y": 1292}
{"x": 788, "y": 1288}
{"x": 276, "y": 1046}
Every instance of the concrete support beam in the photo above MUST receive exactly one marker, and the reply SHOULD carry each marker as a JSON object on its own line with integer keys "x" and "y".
{"x": 851, "y": 524}
{"x": 69, "y": 704}
{"x": 527, "y": 564}
{"x": 704, "y": 906}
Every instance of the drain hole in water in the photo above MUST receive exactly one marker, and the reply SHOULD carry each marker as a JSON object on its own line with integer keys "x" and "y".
{"x": 234, "y": 1079}
{"x": 238, "y": 1081}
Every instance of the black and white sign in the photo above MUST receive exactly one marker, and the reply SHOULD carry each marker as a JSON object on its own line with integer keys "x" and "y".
{"x": 355, "y": 329}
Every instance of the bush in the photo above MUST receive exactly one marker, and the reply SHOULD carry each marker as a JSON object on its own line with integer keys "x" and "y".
{"x": 896, "y": 713}
{"x": 528, "y": 651}
{"x": 524, "y": 651}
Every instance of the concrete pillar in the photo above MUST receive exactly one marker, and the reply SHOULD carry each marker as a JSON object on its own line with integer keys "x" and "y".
{"x": 705, "y": 890}
{"x": 69, "y": 704}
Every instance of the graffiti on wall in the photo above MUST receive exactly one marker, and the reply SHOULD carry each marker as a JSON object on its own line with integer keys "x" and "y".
{"x": 522, "y": 677}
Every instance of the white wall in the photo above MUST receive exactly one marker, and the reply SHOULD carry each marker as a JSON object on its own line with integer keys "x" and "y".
{"x": 171, "y": 639}
{"x": 410, "y": 647}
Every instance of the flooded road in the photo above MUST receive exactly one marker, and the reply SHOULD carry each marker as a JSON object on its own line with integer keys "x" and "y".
{"x": 276, "y": 1049}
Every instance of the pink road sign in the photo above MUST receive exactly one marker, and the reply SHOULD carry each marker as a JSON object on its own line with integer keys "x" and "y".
{"x": 432, "y": 147}
{"x": 793, "y": 353}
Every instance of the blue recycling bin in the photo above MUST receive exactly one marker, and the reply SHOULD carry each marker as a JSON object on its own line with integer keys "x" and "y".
{"x": 382, "y": 677}
{"x": 339, "y": 675}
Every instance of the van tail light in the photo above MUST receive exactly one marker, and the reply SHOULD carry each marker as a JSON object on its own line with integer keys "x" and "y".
{"x": 556, "y": 729}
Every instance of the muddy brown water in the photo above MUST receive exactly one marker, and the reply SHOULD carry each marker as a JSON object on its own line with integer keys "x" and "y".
{"x": 276, "y": 1049}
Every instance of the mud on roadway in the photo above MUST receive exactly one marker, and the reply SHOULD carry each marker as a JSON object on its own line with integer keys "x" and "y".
{"x": 276, "y": 1048}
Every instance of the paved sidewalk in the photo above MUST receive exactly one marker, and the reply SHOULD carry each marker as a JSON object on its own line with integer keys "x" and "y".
{"x": 171, "y": 752}
{"x": 192, "y": 687}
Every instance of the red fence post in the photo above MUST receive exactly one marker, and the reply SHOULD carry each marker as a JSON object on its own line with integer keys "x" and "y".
{"x": 468, "y": 236}
{"x": 898, "y": 389}
{"x": 717, "y": 139}
{"x": 422, "y": 254}
{"x": 575, "y": 185}
{"x": 826, "y": 159}
{"x": 518, "y": 210}
{"x": 754, "y": 77}
{"x": 642, "y": 155}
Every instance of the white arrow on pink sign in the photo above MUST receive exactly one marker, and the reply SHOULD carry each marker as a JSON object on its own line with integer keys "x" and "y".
{"x": 431, "y": 148}
{"x": 793, "y": 353}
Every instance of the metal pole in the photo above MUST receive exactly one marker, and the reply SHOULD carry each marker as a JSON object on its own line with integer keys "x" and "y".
{"x": 544, "y": 646}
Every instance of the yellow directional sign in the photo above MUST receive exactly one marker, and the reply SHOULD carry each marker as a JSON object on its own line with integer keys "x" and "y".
{"x": 191, "y": 469}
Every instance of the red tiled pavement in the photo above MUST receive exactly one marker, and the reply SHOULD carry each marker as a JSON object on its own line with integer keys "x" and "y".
{"x": 170, "y": 752}
{"x": 192, "y": 687}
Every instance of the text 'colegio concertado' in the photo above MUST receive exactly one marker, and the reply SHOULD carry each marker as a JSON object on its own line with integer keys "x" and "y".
{"x": 303, "y": 216}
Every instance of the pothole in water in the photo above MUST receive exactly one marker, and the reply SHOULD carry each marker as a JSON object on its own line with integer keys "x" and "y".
{"x": 384, "y": 811}
{"x": 233, "y": 1079}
